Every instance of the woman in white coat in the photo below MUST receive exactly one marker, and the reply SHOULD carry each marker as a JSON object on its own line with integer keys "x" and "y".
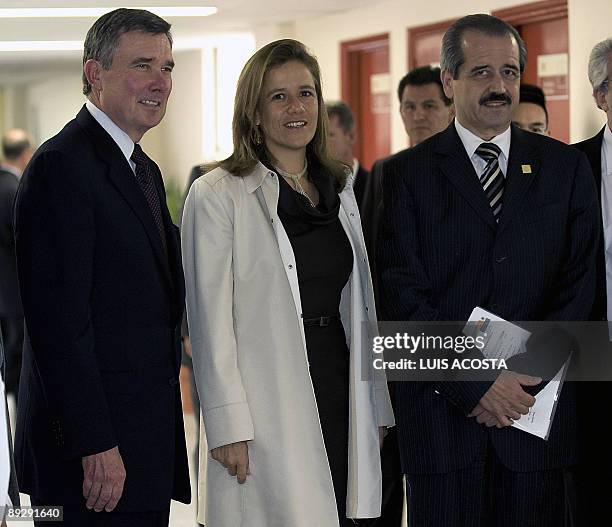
{"x": 278, "y": 294}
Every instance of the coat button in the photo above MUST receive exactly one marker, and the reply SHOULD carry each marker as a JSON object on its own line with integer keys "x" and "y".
{"x": 290, "y": 266}
{"x": 352, "y": 214}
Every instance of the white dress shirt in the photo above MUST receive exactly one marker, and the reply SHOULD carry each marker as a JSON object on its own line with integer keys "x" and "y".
{"x": 123, "y": 140}
{"x": 606, "y": 210}
{"x": 471, "y": 142}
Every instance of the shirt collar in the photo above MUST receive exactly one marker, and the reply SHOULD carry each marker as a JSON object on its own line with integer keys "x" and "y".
{"x": 606, "y": 149}
{"x": 123, "y": 140}
{"x": 11, "y": 169}
{"x": 471, "y": 141}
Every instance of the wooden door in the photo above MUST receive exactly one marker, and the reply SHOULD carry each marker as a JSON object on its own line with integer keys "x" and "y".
{"x": 366, "y": 88}
{"x": 424, "y": 43}
{"x": 543, "y": 27}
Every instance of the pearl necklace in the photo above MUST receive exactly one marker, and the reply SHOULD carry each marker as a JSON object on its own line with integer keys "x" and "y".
{"x": 296, "y": 181}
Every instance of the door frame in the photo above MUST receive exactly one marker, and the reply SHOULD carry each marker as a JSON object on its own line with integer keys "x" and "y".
{"x": 412, "y": 34}
{"x": 533, "y": 12}
{"x": 350, "y": 74}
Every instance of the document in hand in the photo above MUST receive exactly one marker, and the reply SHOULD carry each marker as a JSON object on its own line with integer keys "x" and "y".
{"x": 504, "y": 340}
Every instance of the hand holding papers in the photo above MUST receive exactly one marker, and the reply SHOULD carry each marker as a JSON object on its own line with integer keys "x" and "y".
{"x": 510, "y": 342}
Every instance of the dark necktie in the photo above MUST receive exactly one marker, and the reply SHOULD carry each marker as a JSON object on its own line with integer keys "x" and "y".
{"x": 144, "y": 177}
{"x": 492, "y": 179}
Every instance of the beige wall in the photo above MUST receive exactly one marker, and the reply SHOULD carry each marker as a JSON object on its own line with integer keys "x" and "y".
{"x": 51, "y": 103}
{"x": 589, "y": 22}
{"x": 176, "y": 144}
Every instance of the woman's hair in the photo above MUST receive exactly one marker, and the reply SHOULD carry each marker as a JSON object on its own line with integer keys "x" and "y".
{"x": 249, "y": 145}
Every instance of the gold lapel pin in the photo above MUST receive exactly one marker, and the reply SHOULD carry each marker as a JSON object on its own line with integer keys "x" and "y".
{"x": 526, "y": 169}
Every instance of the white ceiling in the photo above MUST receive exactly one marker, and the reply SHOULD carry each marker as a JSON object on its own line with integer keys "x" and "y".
{"x": 232, "y": 15}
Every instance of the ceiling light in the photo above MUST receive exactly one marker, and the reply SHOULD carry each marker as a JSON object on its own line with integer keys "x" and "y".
{"x": 94, "y": 12}
{"x": 41, "y": 45}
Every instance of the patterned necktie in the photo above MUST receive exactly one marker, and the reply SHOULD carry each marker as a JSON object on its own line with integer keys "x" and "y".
{"x": 144, "y": 177}
{"x": 492, "y": 179}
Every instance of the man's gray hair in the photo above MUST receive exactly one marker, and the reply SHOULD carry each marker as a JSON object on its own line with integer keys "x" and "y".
{"x": 343, "y": 112}
{"x": 451, "y": 53}
{"x": 598, "y": 65}
{"x": 103, "y": 37}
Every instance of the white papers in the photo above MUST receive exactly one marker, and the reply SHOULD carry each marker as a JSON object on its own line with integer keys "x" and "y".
{"x": 504, "y": 340}
{"x": 540, "y": 416}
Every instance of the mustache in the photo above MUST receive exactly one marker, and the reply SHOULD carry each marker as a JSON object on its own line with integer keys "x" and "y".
{"x": 496, "y": 97}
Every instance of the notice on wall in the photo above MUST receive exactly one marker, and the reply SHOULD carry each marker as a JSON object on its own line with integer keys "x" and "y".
{"x": 380, "y": 93}
{"x": 553, "y": 75}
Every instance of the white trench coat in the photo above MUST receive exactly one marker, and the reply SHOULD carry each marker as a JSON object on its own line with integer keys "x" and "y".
{"x": 251, "y": 364}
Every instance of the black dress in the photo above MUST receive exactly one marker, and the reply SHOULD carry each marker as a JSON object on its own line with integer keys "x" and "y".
{"x": 324, "y": 260}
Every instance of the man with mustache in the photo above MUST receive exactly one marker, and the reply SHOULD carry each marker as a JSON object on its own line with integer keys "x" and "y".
{"x": 506, "y": 220}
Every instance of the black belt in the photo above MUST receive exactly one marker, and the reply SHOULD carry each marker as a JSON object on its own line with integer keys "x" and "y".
{"x": 320, "y": 321}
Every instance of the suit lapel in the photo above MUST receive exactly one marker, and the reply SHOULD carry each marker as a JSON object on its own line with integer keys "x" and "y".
{"x": 523, "y": 167}
{"x": 458, "y": 169}
{"x": 592, "y": 149}
{"x": 122, "y": 177}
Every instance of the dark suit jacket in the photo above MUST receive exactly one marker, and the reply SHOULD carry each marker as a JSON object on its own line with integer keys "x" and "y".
{"x": 441, "y": 253}
{"x": 592, "y": 148}
{"x": 103, "y": 304}
{"x": 10, "y": 303}
{"x": 360, "y": 183}
{"x": 371, "y": 211}
{"x": 596, "y": 453}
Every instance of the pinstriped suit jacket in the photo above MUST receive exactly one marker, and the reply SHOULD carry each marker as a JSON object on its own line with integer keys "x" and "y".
{"x": 440, "y": 254}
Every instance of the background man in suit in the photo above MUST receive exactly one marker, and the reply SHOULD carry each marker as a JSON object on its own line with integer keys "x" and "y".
{"x": 341, "y": 139}
{"x": 425, "y": 110}
{"x": 530, "y": 113}
{"x": 17, "y": 148}
{"x": 486, "y": 215}
{"x": 424, "y": 107}
{"x": 596, "y": 395}
{"x": 100, "y": 425}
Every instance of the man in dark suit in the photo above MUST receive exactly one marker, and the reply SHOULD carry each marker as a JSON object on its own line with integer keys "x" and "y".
{"x": 597, "y": 457}
{"x": 341, "y": 139}
{"x": 17, "y": 151}
{"x": 425, "y": 111}
{"x": 506, "y": 220}
{"x": 100, "y": 427}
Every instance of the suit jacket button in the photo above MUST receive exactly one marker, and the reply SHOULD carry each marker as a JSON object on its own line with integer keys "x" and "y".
{"x": 172, "y": 381}
{"x": 501, "y": 259}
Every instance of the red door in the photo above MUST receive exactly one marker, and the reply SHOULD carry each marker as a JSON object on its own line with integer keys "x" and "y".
{"x": 424, "y": 43}
{"x": 543, "y": 27}
{"x": 366, "y": 89}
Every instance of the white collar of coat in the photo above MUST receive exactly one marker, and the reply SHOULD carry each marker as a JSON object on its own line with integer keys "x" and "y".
{"x": 255, "y": 178}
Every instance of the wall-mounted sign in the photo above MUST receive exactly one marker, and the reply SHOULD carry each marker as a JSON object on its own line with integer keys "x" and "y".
{"x": 552, "y": 75}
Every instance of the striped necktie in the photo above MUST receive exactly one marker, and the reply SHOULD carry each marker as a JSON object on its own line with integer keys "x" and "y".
{"x": 492, "y": 179}
{"x": 144, "y": 177}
